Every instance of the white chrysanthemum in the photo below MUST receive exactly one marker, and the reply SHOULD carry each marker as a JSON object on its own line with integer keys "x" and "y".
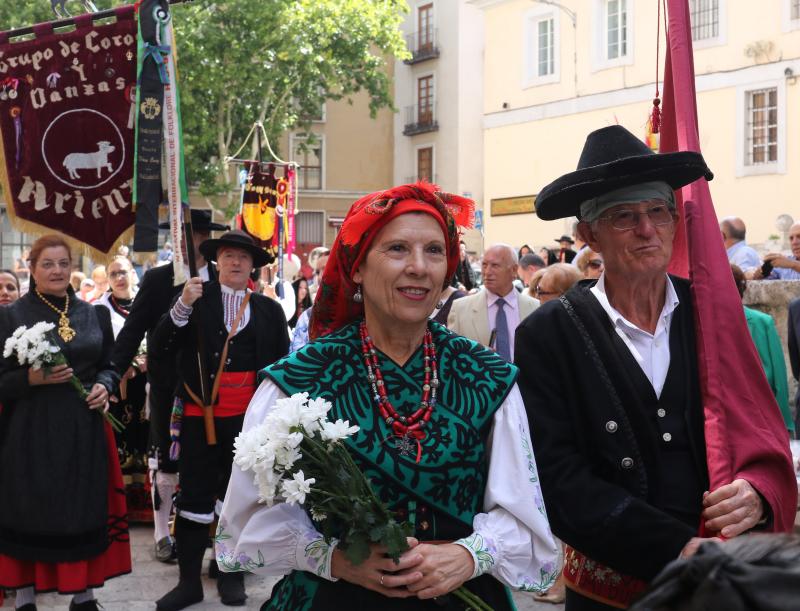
{"x": 245, "y": 447}
{"x": 41, "y": 328}
{"x": 293, "y": 440}
{"x": 286, "y": 457}
{"x": 265, "y": 459}
{"x": 296, "y": 489}
{"x": 9, "y": 347}
{"x": 314, "y": 413}
{"x": 284, "y": 417}
{"x": 335, "y": 431}
{"x": 267, "y": 484}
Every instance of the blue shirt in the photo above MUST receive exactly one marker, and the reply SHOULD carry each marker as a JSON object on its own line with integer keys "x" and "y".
{"x": 744, "y": 256}
{"x": 785, "y": 273}
{"x": 300, "y": 335}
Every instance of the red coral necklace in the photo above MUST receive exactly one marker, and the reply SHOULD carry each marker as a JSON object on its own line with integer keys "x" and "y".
{"x": 407, "y": 430}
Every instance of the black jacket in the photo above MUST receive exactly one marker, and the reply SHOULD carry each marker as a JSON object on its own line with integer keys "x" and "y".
{"x": 155, "y": 296}
{"x": 266, "y": 316}
{"x": 598, "y": 464}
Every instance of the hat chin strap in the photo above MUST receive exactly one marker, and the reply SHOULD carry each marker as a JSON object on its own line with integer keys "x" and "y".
{"x": 592, "y": 209}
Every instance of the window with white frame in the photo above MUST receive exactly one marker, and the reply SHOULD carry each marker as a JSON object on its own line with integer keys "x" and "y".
{"x": 308, "y": 152}
{"x": 616, "y": 29}
{"x": 704, "y": 15}
{"x": 612, "y": 34}
{"x": 790, "y": 15}
{"x": 541, "y": 46}
{"x": 761, "y": 130}
{"x": 544, "y": 48}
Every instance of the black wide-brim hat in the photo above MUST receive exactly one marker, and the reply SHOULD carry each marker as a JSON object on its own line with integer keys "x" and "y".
{"x": 201, "y": 221}
{"x": 613, "y": 158}
{"x": 565, "y": 238}
{"x": 235, "y": 239}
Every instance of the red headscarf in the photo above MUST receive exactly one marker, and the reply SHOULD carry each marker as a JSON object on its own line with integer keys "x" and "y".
{"x": 334, "y": 306}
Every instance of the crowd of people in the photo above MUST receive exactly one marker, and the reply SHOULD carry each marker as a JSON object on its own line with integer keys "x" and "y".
{"x": 535, "y": 417}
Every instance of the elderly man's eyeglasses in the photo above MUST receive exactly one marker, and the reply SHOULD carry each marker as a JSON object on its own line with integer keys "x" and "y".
{"x": 659, "y": 214}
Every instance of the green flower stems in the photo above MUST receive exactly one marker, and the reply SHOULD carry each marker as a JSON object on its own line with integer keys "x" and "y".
{"x": 323, "y": 458}
{"x": 75, "y": 382}
{"x": 472, "y": 601}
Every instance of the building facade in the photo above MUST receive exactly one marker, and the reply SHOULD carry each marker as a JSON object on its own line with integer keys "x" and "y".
{"x": 438, "y": 91}
{"x": 343, "y": 156}
{"x": 555, "y": 71}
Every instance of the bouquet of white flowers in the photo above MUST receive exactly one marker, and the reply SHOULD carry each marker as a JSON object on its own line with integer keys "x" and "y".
{"x": 297, "y": 455}
{"x": 33, "y": 346}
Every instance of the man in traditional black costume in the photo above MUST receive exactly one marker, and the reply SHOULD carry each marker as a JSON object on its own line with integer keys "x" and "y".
{"x": 155, "y": 295}
{"x": 610, "y": 380}
{"x": 242, "y": 333}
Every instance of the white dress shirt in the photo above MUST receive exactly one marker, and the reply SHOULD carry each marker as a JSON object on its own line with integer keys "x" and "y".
{"x": 231, "y": 302}
{"x": 651, "y": 350}
{"x": 512, "y": 314}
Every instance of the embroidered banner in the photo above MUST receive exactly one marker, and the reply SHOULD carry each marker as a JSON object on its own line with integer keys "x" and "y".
{"x": 265, "y": 199}
{"x": 149, "y": 116}
{"x": 66, "y": 159}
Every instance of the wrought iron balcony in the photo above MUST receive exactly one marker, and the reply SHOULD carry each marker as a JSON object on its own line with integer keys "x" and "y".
{"x": 422, "y": 45}
{"x": 420, "y": 119}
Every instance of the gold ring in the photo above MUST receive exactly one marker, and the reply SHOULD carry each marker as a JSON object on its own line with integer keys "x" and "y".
{"x": 382, "y": 576}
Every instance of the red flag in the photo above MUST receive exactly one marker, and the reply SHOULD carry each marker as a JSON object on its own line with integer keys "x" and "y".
{"x": 745, "y": 434}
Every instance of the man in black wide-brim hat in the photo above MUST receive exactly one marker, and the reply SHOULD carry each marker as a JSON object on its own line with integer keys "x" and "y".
{"x": 242, "y": 333}
{"x": 610, "y": 380}
{"x": 154, "y": 297}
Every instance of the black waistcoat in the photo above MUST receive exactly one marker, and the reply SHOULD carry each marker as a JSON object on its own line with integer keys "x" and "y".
{"x": 242, "y": 350}
{"x": 675, "y": 481}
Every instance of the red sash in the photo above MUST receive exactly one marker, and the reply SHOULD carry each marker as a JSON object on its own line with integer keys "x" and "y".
{"x": 599, "y": 582}
{"x": 236, "y": 388}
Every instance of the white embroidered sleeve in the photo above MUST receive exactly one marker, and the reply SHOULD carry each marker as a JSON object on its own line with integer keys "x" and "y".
{"x": 180, "y": 313}
{"x": 512, "y": 539}
{"x": 266, "y": 540}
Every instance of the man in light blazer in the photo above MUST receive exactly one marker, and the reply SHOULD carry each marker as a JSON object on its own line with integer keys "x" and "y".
{"x": 491, "y": 316}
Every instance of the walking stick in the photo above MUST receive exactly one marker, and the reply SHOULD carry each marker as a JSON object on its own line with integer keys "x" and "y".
{"x": 205, "y": 394}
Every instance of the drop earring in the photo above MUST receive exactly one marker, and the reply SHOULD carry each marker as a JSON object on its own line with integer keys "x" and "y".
{"x": 357, "y": 296}
{"x": 439, "y": 304}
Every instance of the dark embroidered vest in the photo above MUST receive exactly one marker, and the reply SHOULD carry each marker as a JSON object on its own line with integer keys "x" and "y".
{"x": 440, "y": 495}
{"x": 451, "y": 475}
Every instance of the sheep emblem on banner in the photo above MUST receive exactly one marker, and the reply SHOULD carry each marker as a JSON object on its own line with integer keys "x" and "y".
{"x": 89, "y": 161}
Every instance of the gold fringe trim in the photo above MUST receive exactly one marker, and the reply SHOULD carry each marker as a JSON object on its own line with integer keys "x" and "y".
{"x": 26, "y": 226}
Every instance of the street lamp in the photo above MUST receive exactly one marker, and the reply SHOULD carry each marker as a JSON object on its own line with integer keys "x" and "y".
{"x": 573, "y": 16}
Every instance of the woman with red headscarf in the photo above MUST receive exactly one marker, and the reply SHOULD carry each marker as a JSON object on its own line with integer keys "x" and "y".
{"x": 460, "y": 470}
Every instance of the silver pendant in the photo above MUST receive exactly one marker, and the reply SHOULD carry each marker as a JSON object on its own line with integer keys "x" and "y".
{"x": 404, "y": 445}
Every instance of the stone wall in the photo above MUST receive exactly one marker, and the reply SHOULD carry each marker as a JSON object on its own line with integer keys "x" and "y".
{"x": 773, "y": 297}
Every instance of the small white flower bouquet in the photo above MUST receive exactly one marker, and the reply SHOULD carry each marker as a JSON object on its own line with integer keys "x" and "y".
{"x": 297, "y": 455}
{"x": 33, "y": 346}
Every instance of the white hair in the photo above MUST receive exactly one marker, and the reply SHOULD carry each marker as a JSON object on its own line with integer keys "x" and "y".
{"x": 512, "y": 253}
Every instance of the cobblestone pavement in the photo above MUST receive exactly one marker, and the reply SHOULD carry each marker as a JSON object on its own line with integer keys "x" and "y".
{"x": 151, "y": 579}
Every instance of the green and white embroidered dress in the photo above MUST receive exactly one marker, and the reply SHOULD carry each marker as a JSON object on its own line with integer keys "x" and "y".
{"x": 476, "y": 483}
